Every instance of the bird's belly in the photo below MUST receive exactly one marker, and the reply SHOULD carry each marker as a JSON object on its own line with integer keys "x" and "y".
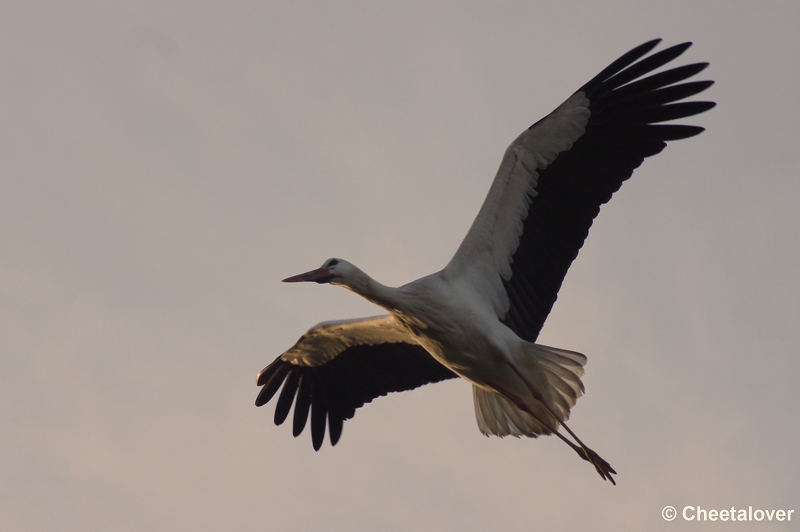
{"x": 463, "y": 336}
{"x": 478, "y": 358}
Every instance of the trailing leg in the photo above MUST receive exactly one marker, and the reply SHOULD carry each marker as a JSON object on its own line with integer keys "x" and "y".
{"x": 602, "y": 467}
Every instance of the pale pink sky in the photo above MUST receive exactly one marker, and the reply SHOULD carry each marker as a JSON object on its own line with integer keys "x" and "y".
{"x": 164, "y": 164}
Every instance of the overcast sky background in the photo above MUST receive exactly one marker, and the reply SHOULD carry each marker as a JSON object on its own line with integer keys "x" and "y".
{"x": 163, "y": 165}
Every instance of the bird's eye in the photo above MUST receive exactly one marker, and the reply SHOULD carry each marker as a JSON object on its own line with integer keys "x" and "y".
{"x": 333, "y": 262}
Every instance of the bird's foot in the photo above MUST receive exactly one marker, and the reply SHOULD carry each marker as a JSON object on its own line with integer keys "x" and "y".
{"x": 603, "y": 468}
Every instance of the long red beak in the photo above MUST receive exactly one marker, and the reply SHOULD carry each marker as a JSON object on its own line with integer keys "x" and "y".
{"x": 320, "y": 275}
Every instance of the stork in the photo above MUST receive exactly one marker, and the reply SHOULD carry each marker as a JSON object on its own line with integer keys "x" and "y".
{"x": 479, "y": 317}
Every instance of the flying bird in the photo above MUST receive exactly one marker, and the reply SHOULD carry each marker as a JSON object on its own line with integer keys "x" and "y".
{"x": 479, "y": 317}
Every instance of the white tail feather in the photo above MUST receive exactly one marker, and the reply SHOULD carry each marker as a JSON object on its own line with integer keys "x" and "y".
{"x": 557, "y": 375}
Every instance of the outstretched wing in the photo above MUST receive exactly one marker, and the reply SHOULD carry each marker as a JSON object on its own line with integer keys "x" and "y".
{"x": 338, "y": 366}
{"x": 556, "y": 175}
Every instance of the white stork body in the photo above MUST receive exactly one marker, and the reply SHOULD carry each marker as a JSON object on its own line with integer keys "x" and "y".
{"x": 479, "y": 317}
{"x": 448, "y": 316}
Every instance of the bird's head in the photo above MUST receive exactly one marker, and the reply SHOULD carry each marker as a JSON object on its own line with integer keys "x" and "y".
{"x": 329, "y": 272}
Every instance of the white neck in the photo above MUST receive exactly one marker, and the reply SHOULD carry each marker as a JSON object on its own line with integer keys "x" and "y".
{"x": 370, "y": 289}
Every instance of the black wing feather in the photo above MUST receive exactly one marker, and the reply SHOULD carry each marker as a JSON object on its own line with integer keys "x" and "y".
{"x": 318, "y": 414}
{"x": 622, "y": 130}
{"x": 334, "y": 390}
{"x": 271, "y": 379}
{"x": 302, "y": 406}
{"x": 287, "y": 397}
